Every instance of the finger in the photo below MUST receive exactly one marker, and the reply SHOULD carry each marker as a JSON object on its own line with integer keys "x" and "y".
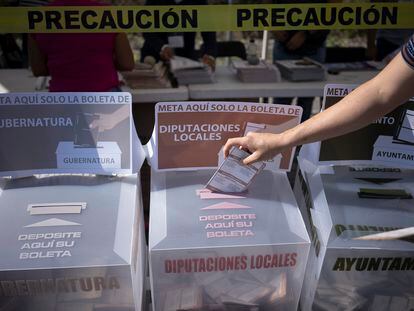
{"x": 254, "y": 157}
{"x": 93, "y": 125}
{"x": 292, "y": 47}
{"x": 237, "y": 141}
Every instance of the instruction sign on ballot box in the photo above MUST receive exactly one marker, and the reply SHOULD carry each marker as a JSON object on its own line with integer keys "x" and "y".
{"x": 389, "y": 140}
{"x": 67, "y": 133}
{"x": 191, "y": 135}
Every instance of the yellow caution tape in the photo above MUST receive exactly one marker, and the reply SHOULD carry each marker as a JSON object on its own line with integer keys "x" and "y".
{"x": 207, "y": 17}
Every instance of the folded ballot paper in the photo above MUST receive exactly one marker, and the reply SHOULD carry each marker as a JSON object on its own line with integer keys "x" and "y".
{"x": 232, "y": 175}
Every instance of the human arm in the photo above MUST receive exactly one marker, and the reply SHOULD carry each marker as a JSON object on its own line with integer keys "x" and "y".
{"x": 316, "y": 37}
{"x": 296, "y": 41}
{"x": 209, "y": 61}
{"x": 281, "y": 35}
{"x": 124, "y": 59}
{"x": 209, "y": 52}
{"x": 375, "y": 98}
{"x": 37, "y": 59}
{"x": 309, "y": 39}
{"x": 153, "y": 45}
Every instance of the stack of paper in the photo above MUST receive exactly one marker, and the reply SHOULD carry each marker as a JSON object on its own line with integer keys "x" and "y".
{"x": 305, "y": 69}
{"x": 146, "y": 76}
{"x": 260, "y": 73}
{"x": 352, "y": 66}
{"x": 188, "y": 71}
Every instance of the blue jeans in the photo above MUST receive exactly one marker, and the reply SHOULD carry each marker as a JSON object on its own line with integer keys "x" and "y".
{"x": 280, "y": 53}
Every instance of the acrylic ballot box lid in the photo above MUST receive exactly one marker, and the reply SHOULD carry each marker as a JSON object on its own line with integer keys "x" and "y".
{"x": 67, "y": 221}
{"x": 268, "y": 215}
{"x": 102, "y": 147}
{"x": 353, "y": 216}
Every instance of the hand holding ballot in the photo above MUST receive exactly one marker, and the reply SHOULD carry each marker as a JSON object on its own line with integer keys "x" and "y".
{"x": 109, "y": 121}
{"x": 209, "y": 61}
{"x": 373, "y": 99}
{"x": 262, "y": 146}
{"x": 166, "y": 53}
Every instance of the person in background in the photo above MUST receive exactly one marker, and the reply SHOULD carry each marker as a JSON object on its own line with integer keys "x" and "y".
{"x": 296, "y": 44}
{"x": 80, "y": 62}
{"x": 163, "y": 46}
{"x": 373, "y": 99}
{"x": 28, "y": 3}
{"x": 384, "y": 42}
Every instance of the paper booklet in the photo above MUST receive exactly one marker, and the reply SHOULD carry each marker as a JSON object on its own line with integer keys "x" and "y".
{"x": 180, "y": 63}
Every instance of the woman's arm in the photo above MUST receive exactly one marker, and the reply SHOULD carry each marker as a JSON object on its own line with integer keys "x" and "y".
{"x": 375, "y": 98}
{"x": 37, "y": 59}
{"x": 124, "y": 59}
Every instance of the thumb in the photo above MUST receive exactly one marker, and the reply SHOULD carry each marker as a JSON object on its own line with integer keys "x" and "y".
{"x": 254, "y": 157}
{"x": 93, "y": 124}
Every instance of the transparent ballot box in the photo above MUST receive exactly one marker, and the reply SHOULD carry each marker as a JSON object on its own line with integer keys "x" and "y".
{"x": 353, "y": 264}
{"x": 71, "y": 242}
{"x": 211, "y": 251}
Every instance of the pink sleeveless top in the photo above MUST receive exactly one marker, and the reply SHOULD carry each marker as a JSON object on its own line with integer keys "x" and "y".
{"x": 79, "y": 62}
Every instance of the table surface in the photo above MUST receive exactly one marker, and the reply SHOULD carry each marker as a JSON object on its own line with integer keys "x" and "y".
{"x": 226, "y": 87}
{"x": 22, "y": 80}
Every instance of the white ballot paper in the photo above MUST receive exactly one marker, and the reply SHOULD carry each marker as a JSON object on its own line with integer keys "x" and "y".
{"x": 232, "y": 175}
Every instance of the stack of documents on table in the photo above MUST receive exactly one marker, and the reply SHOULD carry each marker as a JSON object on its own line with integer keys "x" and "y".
{"x": 305, "y": 69}
{"x": 260, "y": 73}
{"x": 188, "y": 71}
{"x": 353, "y": 66}
{"x": 146, "y": 76}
